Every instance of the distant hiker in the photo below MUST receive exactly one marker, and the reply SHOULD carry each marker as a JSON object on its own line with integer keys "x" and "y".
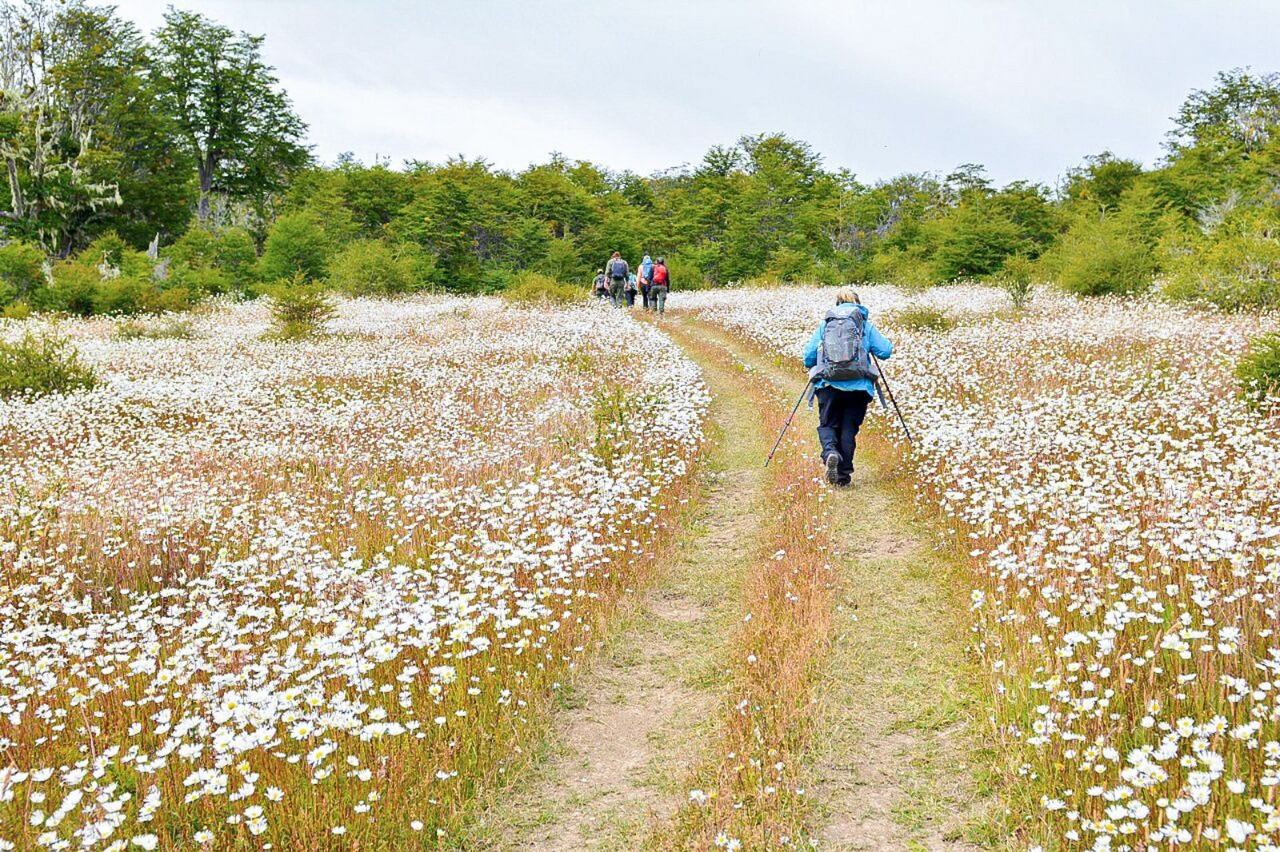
{"x": 839, "y": 357}
{"x": 632, "y": 286}
{"x": 600, "y": 287}
{"x": 646, "y": 276}
{"x": 659, "y": 286}
{"x": 618, "y": 271}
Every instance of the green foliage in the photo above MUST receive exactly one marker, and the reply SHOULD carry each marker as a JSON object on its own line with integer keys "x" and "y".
{"x": 18, "y": 310}
{"x": 1258, "y": 371}
{"x": 299, "y": 308}
{"x": 1102, "y": 181}
{"x": 531, "y": 288}
{"x": 1015, "y": 279}
{"x": 214, "y": 261}
{"x": 73, "y": 289}
{"x": 21, "y": 271}
{"x": 375, "y": 268}
{"x": 39, "y": 365}
{"x": 296, "y": 245}
{"x": 922, "y": 317}
{"x": 170, "y": 329}
{"x": 1235, "y": 267}
{"x": 1099, "y": 256}
{"x": 230, "y": 116}
{"x": 906, "y": 267}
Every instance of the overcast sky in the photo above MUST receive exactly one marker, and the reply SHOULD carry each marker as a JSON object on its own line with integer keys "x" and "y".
{"x": 1026, "y": 87}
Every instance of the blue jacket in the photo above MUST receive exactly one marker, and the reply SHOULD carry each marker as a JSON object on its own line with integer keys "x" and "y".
{"x": 875, "y": 342}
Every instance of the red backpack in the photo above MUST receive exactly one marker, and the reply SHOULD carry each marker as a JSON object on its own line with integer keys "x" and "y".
{"x": 660, "y": 275}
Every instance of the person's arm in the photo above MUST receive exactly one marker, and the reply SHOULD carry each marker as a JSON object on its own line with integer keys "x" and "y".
{"x": 877, "y": 344}
{"x": 811, "y": 348}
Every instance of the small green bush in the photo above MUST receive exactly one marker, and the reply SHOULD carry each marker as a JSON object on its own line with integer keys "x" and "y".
{"x": 295, "y": 245}
{"x": 74, "y": 287}
{"x": 1100, "y": 257}
{"x": 39, "y": 365}
{"x": 299, "y": 309}
{"x": 21, "y": 271}
{"x": 1258, "y": 371}
{"x": 373, "y": 268}
{"x": 18, "y": 310}
{"x": 1015, "y": 279}
{"x": 171, "y": 329}
{"x": 906, "y": 268}
{"x": 214, "y": 261}
{"x": 921, "y": 317}
{"x": 1235, "y": 268}
{"x": 108, "y": 249}
{"x": 529, "y": 288}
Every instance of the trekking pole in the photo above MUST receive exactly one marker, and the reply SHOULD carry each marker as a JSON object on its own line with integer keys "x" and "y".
{"x": 787, "y": 425}
{"x": 885, "y": 380}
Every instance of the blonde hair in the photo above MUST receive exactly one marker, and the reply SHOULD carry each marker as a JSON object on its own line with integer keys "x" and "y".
{"x": 847, "y": 295}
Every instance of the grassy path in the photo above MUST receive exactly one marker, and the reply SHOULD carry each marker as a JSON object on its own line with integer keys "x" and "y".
{"x": 890, "y": 752}
{"x": 634, "y": 724}
{"x": 896, "y": 749}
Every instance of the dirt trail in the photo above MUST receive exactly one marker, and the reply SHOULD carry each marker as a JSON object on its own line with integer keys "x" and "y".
{"x": 636, "y": 721}
{"x": 893, "y": 762}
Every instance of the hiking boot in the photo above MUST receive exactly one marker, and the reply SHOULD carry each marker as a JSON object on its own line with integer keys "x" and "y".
{"x": 833, "y": 468}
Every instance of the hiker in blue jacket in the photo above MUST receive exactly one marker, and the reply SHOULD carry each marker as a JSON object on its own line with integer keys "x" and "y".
{"x": 842, "y": 403}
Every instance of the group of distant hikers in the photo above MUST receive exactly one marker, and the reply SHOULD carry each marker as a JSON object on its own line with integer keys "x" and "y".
{"x": 844, "y": 376}
{"x": 619, "y": 283}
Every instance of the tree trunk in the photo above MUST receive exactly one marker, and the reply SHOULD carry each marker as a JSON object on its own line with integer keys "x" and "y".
{"x": 15, "y": 189}
{"x": 205, "y": 167}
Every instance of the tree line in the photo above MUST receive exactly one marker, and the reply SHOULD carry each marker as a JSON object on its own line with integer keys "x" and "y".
{"x": 185, "y": 143}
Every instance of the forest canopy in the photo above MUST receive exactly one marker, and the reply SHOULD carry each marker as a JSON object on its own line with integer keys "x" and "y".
{"x": 183, "y": 141}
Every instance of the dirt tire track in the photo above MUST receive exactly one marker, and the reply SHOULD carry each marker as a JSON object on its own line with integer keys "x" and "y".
{"x": 636, "y": 721}
{"x": 894, "y": 762}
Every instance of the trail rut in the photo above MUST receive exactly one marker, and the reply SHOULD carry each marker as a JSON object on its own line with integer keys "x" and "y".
{"x": 637, "y": 720}
{"x": 892, "y": 762}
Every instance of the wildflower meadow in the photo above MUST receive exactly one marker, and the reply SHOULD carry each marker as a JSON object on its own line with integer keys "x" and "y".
{"x": 1115, "y": 498}
{"x": 311, "y": 594}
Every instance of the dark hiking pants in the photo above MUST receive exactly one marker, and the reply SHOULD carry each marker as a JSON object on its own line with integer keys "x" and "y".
{"x": 840, "y": 416}
{"x": 618, "y": 290}
{"x": 658, "y": 297}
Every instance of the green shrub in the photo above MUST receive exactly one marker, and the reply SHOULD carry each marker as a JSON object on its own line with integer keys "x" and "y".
{"x": 296, "y": 245}
{"x": 1258, "y": 371}
{"x": 21, "y": 271}
{"x": 299, "y": 309}
{"x": 374, "y": 268}
{"x": 120, "y": 295}
{"x": 108, "y": 249}
{"x": 1235, "y": 268}
{"x": 1099, "y": 257}
{"x": 921, "y": 317}
{"x": 236, "y": 256}
{"x": 685, "y": 270}
{"x": 18, "y": 310}
{"x": 906, "y": 268}
{"x": 207, "y": 281}
{"x": 972, "y": 244}
{"x": 38, "y": 365}
{"x": 171, "y": 329}
{"x": 73, "y": 289}
{"x": 790, "y": 265}
{"x": 214, "y": 261}
{"x": 529, "y": 288}
{"x": 1015, "y": 279}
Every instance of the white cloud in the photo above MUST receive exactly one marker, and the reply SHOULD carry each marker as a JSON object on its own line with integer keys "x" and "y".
{"x": 1027, "y": 88}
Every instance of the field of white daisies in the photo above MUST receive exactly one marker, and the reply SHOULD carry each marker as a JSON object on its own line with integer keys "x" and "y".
{"x": 313, "y": 594}
{"x": 1117, "y": 504}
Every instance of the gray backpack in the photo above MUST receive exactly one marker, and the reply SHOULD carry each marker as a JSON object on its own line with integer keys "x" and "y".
{"x": 843, "y": 354}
